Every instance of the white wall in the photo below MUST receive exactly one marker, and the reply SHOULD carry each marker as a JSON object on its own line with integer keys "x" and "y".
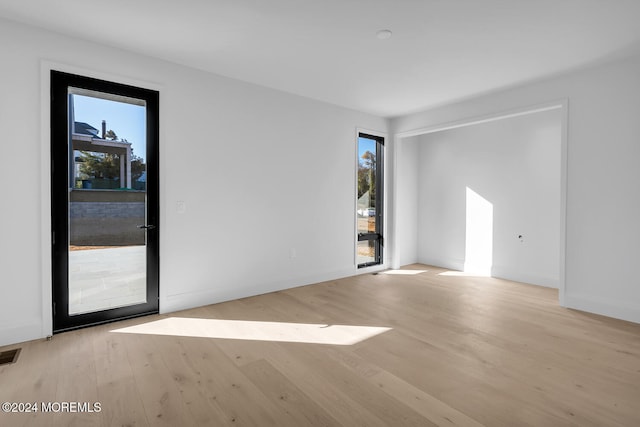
{"x": 261, "y": 172}
{"x": 603, "y": 201}
{"x": 407, "y": 201}
{"x": 512, "y": 163}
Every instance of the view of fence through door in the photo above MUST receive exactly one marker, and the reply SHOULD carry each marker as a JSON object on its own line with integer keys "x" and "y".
{"x": 107, "y": 202}
{"x": 104, "y": 205}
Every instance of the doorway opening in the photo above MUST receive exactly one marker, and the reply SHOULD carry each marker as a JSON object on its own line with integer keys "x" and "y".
{"x": 104, "y": 149}
{"x": 485, "y": 196}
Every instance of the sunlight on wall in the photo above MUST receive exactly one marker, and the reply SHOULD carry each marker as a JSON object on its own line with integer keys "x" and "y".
{"x": 256, "y": 331}
{"x": 479, "y": 235}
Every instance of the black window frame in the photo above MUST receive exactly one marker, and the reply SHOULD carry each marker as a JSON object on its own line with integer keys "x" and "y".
{"x": 377, "y": 237}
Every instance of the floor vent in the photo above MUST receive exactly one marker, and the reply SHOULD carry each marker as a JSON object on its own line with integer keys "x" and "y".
{"x": 9, "y": 356}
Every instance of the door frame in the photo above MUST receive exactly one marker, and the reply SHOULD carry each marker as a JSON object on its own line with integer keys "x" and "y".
{"x": 382, "y": 183}
{"x": 59, "y": 82}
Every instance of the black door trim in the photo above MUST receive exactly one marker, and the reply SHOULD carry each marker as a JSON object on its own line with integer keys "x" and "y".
{"x": 376, "y": 237}
{"x": 60, "y": 82}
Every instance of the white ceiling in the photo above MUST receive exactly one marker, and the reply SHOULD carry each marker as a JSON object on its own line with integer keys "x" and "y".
{"x": 441, "y": 50}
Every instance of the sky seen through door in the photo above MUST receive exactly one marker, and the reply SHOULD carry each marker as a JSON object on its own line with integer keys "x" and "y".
{"x": 126, "y": 120}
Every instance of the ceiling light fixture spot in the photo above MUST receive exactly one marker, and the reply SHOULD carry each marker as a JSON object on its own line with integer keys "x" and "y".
{"x": 384, "y": 34}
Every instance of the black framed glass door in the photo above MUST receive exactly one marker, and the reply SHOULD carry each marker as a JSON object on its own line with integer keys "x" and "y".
{"x": 105, "y": 201}
{"x": 370, "y": 204}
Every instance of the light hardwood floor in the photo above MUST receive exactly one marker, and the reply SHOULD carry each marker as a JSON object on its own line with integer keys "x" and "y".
{"x": 460, "y": 351}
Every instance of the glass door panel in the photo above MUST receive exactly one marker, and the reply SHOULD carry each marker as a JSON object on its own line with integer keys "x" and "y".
{"x": 366, "y": 252}
{"x": 107, "y": 202}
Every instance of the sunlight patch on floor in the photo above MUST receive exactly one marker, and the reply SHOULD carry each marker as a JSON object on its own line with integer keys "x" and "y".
{"x": 257, "y": 331}
{"x": 403, "y": 272}
{"x": 463, "y": 274}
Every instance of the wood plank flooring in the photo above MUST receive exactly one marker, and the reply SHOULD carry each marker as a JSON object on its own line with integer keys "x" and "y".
{"x": 459, "y": 351}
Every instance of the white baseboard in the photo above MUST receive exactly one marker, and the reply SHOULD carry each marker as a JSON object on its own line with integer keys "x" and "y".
{"x": 450, "y": 263}
{"x": 176, "y": 302}
{"x": 496, "y": 271}
{"x": 12, "y": 334}
{"x": 524, "y": 277}
{"x": 622, "y": 310}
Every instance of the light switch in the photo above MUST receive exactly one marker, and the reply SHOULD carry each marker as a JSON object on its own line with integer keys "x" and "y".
{"x": 181, "y": 207}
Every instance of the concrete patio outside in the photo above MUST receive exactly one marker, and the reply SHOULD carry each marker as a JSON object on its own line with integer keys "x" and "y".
{"x": 101, "y": 279}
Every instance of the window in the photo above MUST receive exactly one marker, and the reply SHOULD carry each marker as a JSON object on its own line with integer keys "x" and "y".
{"x": 369, "y": 206}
